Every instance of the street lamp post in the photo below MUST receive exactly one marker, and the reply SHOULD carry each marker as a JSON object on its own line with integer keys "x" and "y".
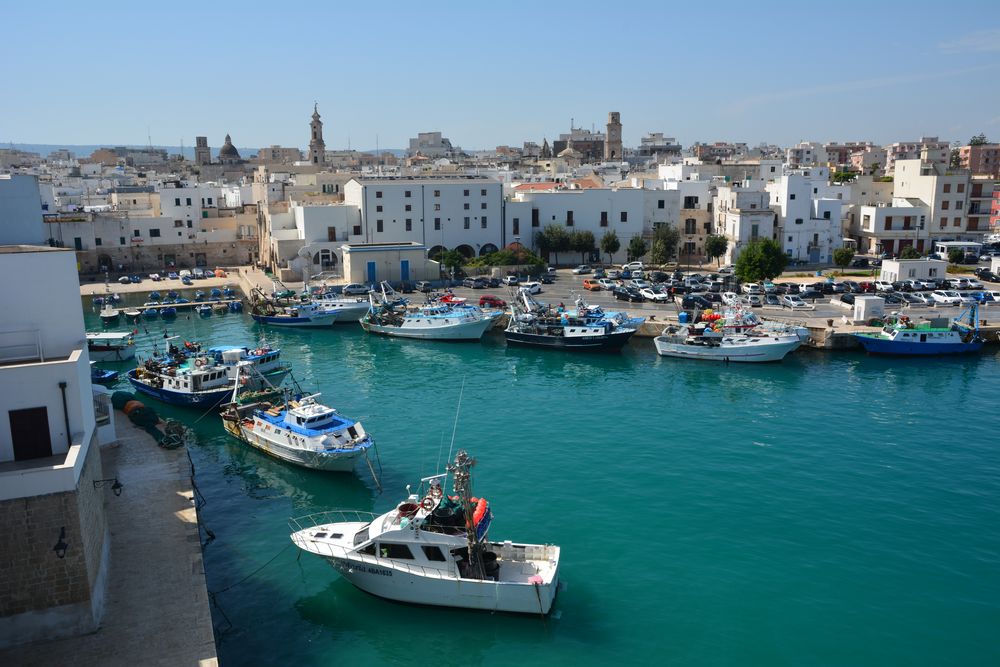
{"x": 517, "y": 251}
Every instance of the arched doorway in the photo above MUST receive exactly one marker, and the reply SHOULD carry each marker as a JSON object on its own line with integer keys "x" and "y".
{"x": 487, "y": 249}
{"x": 435, "y": 252}
{"x": 327, "y": 258}
{"x": 466, "y": 251}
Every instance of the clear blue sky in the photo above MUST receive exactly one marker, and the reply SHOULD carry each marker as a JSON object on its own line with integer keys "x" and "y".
{"x": 487, "y": 74}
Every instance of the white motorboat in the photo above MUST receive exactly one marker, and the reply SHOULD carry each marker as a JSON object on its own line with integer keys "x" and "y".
{"x": 111, "y": 346}
{"x": 433, "y": 549}
{"x": 701, "y": 342}
{"x": 303, "y": 432}
{"x": 348, "y": 309}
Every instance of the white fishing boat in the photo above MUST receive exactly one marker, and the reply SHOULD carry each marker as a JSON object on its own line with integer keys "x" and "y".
{"x": 109, "y": 314}
{"x": 297, "y": 315}
{"x": 433, "y": 321}
{"x": 699, "y": 341}
{"x": 433, "y": 549}
{"x": 111, "y": 346}
{"x": 349, "y": 309}
{"x": 304, "y": 432}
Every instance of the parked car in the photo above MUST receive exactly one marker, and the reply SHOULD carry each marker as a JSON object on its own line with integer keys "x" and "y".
{"x": 859, "y": 262}
{"x": 795, "y": 302}
{"x": 974, "y": 284}
{"x": 901, "y": 286}
{"x": 424, "y": 286}
{"x": 730, "y": 298}
{"x": 958, "y": 283}
{"x": 135, "y": 279}
{"x": 912, "y": 299}
{"x": 187, "y": 280}
{"x": 546, "y": 279}
{"x": 592, "y": 285}
{"x": 638, "y": 266}
{"x": 658, "y": 276}
{"x": 637, "y": 284}
{"x": 184, "y": 273}
{"x": 654, "y": 294}
{"x": 600, "y": 273}
{"x": 627, "y": 294}
{"x": 581, "y": 269}
{"x": 883, "y": 286}
{"x": 355, "y": 288}
{"x": 625, "y": 274}
{"x": 606, "y": 284}
{"x": 155, "y": 277}
{"x": 727, "y": 269}
{"x": 532, "y": 287}
{"x": 124, "y": 280}
{"x": 691, "y": 301}
{"x": 892, "y": 298}
{"x": 614, "y": 274}
{"x": 791, "y": 288}
{"x": 771, "y": 299}
{"x": 810, "y": 295}
{"x": 475, "y": 283}
{"x": 751, "y": 288}
{"x": 406, "y": 287}
{"x": 490, "y": 301}
{"x": 172, "y": 275}
{"x": 510, "y": 279}
{"x": 946, "y": 297}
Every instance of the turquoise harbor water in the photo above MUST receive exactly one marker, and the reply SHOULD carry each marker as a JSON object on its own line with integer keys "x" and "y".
{"x": 834, "y": 509}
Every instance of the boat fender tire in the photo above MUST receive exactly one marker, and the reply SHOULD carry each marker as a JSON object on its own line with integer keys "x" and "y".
{"x": 199, "y": 362}
{"x": 427, "y": 503}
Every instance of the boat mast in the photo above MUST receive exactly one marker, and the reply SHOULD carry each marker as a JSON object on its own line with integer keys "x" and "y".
{"x": 462, "y": 483}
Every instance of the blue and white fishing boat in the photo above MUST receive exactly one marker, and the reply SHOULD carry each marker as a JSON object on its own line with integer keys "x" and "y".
{"x": 585, "y": 329}
{"x": 235, "y": 306}
{"x": 390, "y": 316}
{"x": 207, "y": 379}
{"x": 298, "y": 315}
{"x": 168, "y": 312}
{"x": 155, "y": 296}
{"x": 151, "y": 313}
{"x": 204, "y": 310}
{"x": 304, "y": 432}
{"x": 102, "y": 376}
{"x": 901, "y": 336}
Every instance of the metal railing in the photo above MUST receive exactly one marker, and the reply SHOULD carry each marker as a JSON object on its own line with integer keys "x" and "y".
{"x": 330, "y": 516}
{"x": 102, "y": 409}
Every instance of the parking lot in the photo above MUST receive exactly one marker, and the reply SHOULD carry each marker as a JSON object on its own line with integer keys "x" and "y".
{"x": 567, "y": 287}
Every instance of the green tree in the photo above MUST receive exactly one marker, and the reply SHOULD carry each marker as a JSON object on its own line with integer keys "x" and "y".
{"x": 553, "y": 239}
{"x": 909, "y": 252}
{"x": 842, "y": 257}
{"x": 716, "y": 246}
{"x": 610, "y": 244}
{"x": 762, "y": 259}
{"x": 637, "y": 248}
{"x": 451, "y": 259}
{"x": 956, "y": 255}
{"x": 978, "y": 140}
{"x": 583, "y": 243}
{"x": 664, "y": 245}
{"x": 956, "y": 160}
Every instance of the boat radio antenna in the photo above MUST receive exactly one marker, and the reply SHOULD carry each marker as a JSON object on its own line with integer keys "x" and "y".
{"x": 458, "y": 411}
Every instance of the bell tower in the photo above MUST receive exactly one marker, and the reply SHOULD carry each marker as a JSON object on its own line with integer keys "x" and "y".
{"x": 613, "y": 138}
{"x": 317, "y": 148}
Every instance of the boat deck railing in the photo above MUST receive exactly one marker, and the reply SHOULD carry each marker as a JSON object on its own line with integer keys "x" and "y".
{"x": 330, "y": 516}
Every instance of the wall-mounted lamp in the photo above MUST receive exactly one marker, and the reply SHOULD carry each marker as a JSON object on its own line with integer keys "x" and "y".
{"x": 116, "y": 486}
{"x": 61, "y": 546}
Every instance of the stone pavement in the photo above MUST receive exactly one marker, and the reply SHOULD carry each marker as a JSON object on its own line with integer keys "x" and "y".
{"x": 157, "y": 610}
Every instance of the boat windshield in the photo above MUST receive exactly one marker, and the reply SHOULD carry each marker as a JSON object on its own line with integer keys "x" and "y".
{"x": 361, "y": 536}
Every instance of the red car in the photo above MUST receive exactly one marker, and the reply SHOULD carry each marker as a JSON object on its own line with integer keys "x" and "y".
{"x": 490, "y": 301}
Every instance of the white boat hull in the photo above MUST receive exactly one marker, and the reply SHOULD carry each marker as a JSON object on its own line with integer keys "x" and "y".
{"x": 347, "y": 311}
{"x": 416, "y": 584}
{"x": 117, "y": 354}
{"x": 472, "y": 330}
{"x": 328, "y": 460}
{"x": 752, "y": 350}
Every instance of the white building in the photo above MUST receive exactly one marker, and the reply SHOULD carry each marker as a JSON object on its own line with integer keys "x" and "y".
{"x": 21, "y": 210}
{"x": 944, "y": 191}
{"x": 892, "y": 228}
{"x": 913, "y": 269}
{"x": 463, "y": 213}
{"x": 432, "y": 145}
{"x": 743, "y": 214}
{"x": 808, "y": 219}
{"x": 56, "y": 541}
{"x": 806, "y": 154}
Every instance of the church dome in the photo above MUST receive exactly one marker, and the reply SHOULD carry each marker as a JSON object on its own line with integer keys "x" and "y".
{"x": 228, "y": 150}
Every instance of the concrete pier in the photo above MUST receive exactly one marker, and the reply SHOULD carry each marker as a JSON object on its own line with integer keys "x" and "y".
{"x": 157, "y": 609}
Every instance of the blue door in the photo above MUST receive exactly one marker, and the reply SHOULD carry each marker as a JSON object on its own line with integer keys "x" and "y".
{"x": 404, "y": 269}
{"x": 371, "y": 273}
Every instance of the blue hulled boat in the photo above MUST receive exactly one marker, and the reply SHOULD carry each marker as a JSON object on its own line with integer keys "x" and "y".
{"x": 903, "y": 337}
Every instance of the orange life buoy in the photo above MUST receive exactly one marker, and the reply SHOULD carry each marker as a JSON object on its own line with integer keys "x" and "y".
{"x": 480, "y": 511}
{"x": 428, "y": 503}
